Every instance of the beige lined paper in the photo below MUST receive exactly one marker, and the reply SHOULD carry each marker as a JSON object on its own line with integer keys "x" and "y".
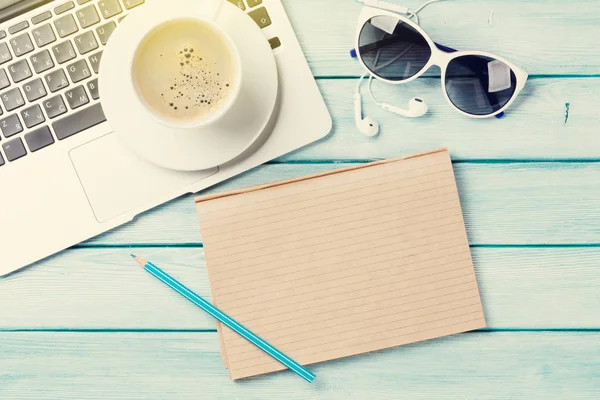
{"x": 341, "y": 263}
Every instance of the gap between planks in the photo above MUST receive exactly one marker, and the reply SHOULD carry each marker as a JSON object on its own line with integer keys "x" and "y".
{"x": 98, "y": 330}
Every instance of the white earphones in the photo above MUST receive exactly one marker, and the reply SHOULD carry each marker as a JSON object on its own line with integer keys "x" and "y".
{"x": 367, "y": 125}
{"x": 416, "y": 108}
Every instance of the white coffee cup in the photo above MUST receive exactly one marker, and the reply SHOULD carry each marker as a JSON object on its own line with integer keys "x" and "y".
{"x": 203, "y": 143}
{"x": 187, "y": 72}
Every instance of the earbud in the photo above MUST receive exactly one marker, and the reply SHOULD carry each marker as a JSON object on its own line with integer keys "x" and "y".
{"x": 367, "y": 126}
{"x": 416, "y": 108}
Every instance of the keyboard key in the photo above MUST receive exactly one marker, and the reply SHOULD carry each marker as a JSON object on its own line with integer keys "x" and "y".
{"x": 14, "y": 149}
{"x": 2, "y": 34}
{"x": 77, "y": 97}
{"x": 95, "y": 61}
{"x": 79, "y": 121}
{"x": 32, "y": 116}
{"x": 57, "y": 80}
{"x": 34, "y": 90}
{"x": 80, "y": 2}
{"x": 88, "y": 16}
{"x": 261, "y": 17}
{"x": 64, "y": 52}
{"x": 10, "y": 125}
{"x": 43, "y": 35}
{"x": 55, "y": 106}
{"x": 105, "y": 31}
{"x": 109, "y": 8}
{"x": 1, "y": 160}
{"x": 39, "y": 139}
{"x": 254, "y": 3}
{"x": 42, "y": 61}
{"x": 93, "y": 88}
{"x": 275, "y": 42}
{"x": 4, "y": 82}
{"x": 20, "y": 71}
{"x": 121, "y": 18}
{"x": 64, "y": 7}
{"x": 41, "y": 18}
{"x": 129, "y": 4}
{"x": 65, "y": 26}
{"x": 21, "y": 44}
{"x": 18, "y": 27}
{"x": 238, "y": 3}
{"x": 5, "y": 55}
{"x": 86, "y": 42}
{"x": 12, "y": 99}
{"x": 78, "y": 71}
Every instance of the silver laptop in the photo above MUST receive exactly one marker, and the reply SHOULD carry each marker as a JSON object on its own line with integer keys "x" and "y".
{"x": 64, "y": 177}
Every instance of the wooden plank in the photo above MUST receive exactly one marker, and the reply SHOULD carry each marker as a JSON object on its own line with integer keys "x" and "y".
{"x": 532, "y": 203}
{"x": 544, "y": 37}
{"x": 525, "y": 288}
{"x": 131, "y": 366}
{"x": 533, "y": 128}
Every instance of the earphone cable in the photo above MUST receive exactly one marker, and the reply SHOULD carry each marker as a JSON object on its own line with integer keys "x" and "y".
{"x": 411, "y": 13}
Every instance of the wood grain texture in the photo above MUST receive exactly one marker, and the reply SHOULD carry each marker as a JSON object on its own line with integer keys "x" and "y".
{"x": 512, "y": 203}
{"x": 544, "y": 37}
{"x": 64, "y": 366}
{"x": 533, "y": 128}
{"x": 533, "y": 203}
{"x": 529, "y": 288}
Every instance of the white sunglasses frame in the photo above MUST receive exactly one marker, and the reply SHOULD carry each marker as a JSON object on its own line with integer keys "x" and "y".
{"x": 438, "y": 58}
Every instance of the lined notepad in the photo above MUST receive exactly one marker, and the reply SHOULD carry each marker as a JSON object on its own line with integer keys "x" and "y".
{"x": 341, "y": 263}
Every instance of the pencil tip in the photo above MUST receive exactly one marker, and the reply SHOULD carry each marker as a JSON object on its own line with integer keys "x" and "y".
{"x": 132, "y": 255}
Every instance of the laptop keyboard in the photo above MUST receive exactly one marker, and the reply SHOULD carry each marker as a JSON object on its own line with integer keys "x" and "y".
{"x": 49, "y": 73}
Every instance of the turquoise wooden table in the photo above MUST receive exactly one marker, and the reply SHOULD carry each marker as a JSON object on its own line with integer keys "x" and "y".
{"x": 89, "y": 324}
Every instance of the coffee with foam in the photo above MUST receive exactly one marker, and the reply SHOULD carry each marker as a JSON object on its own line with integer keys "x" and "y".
{"x": 184, "y": 71}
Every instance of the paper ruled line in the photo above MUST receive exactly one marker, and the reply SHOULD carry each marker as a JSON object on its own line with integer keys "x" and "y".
{"x": 237, "y": 263}
{"x": 360, "y": 314}
{"x": 248, "y": 307}
{"x": 458, "y": 242}
{"x": 244, "y": 295}
{"x": 303, "y": 220}
{"x": 342, "y": 231}
{"x": 384, "y": 296}
{"x": 339, "y": 339}
{"x": 319, "y": 356}
{"x": 323, "y": 287}
{"x": 339, "y": 335}
{"x": 371, "y": 257}
{"x": 284, "y": 210}
{"x": 350, "y": 182}
{"x": 341, "y": 264}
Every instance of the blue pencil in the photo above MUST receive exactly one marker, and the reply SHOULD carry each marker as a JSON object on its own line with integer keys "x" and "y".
{"x": 225, "y": 319}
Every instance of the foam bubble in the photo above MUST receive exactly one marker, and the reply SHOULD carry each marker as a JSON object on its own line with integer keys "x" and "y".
{"x": 183, "y": 70}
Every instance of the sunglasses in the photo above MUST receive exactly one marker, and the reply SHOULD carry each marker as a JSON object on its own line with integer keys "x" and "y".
{"x": 396, "y": 50}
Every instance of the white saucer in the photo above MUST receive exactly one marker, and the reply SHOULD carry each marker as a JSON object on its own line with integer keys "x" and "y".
{"x": 184, "y": 149}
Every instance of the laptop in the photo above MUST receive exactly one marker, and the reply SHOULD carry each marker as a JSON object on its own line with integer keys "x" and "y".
{"x": 64, "y": 176}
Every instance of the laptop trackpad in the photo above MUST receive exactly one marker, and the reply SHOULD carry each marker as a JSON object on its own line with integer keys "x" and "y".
{"x": 117, "y": 181}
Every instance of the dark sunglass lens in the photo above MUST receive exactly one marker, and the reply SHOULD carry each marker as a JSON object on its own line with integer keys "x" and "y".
{"x": 479, "y": 85}
{"x": 392, "y": 49}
